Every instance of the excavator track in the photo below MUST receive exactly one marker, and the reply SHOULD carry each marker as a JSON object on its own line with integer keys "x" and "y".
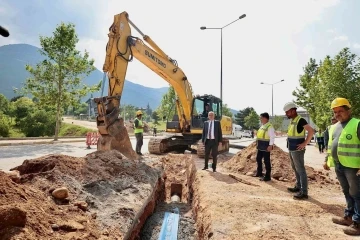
{"x": 161, "y": 145}
{"x": 201, "y": 148}
{"x": 157, "y": 145}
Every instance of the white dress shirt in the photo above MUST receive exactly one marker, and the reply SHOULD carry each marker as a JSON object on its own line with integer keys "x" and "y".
{"x": 271, "y": 132}
{"x": 212, "y": 122}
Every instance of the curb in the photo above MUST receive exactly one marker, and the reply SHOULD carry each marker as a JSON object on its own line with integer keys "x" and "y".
{"x": 2, "y": 144}
{"x": 40, "y": 142}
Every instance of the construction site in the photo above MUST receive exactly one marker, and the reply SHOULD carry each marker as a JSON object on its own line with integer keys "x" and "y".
{"x": 106, "y": 195}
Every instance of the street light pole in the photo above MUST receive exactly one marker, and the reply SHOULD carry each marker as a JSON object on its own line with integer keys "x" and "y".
{"x": 272, "y": 94}
{"x": 221, "y": 51}
{"x": 221, "y": 66}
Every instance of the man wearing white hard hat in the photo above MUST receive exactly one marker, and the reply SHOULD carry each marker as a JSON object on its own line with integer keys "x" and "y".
{"x": 296, "y": 144}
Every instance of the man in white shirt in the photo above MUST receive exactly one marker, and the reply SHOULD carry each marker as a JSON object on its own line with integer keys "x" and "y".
{"x": 265, "y": 139}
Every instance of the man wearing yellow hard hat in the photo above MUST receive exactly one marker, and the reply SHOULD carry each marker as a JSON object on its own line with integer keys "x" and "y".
{"x": 139, "y": 131}
{"x": 344, "y": 155}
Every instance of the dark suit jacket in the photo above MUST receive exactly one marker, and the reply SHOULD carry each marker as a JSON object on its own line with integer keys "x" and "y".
{"x": 217, "y": 131}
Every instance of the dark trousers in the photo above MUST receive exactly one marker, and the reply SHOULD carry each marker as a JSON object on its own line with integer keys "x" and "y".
{"x": 139, "y": 141}
{"x": 266, "y": 155}
{"x": 211, "y": 145}
{"x": 321, "y": 146}
{"x": 350, "y": 184}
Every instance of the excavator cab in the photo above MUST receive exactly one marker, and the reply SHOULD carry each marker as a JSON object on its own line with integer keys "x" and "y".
{"x": 200, "y": 108}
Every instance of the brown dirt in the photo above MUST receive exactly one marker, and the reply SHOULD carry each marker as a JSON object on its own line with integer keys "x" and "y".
{"x": 228, "y": 209}
{"x": 117, "y": 192}
{"x": 245, "y": 162}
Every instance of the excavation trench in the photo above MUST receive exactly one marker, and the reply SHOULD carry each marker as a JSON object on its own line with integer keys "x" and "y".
{"x": 110, "y": 197}
{"x": 176, "y": 196}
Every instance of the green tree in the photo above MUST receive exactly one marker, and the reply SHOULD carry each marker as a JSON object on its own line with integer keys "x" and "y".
{"x": 129, "y": 111}
{"x": 22, "y": 108}
{"x": 82, "y": 108}
{"x": 4, "y": 104}
{"x": 226, "y": 111}
{"x": 240, "y": 116}
{"x": 38, "y": 123}
{"x": 57, "y": 81}
{"x": 277, "y": 122}
{"x": 148, "y": 110}
{"x": 4, "y": 125}
{"x": 167, "y": 107}
{"x": 155, "y": 116}
{"x": 252, "y": 120}
{"x": 323, "y": 82}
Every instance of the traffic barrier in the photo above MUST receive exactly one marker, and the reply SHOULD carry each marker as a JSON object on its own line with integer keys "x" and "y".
{"x": 92, "y": 139}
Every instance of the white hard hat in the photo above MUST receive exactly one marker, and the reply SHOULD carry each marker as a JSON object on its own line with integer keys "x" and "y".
{"x": 289, "y": 106}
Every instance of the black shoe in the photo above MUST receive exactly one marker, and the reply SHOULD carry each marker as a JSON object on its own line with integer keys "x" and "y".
{"x": 294, "y": 189}
{"x": 257, "y": 175}
{"x": 204, "y": 168}
{"x": 300, "y": 196}
{"x": 140, "y": 153}
{"x": 265, "y": 179}
{"x": 214, "y": 170}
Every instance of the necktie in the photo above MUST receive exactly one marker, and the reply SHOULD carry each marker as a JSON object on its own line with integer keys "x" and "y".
{"x": 210, "y": 130}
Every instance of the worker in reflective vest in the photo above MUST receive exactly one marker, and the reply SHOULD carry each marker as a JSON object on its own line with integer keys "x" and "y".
{"x": 344, "y": 155}
{"x": 296, "y": 144}
{"x": 138, "y": 130}
{"x": 319, "y": 136}
{"x": 326, "y": 132}
{"x": 265, "y": 138}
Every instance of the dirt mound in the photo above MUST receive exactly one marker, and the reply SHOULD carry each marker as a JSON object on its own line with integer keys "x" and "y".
{"x": 107, "y": 195}
{"x": 245, "y": 162}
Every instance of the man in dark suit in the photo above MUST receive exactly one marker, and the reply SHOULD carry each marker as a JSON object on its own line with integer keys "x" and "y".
{"x": 211, "y": 138}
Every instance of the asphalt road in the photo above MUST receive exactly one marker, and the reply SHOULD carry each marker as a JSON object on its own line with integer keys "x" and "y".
{"x": 12, "y": 156}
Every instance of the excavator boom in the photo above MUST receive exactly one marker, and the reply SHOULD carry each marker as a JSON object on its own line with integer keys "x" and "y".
{"x": 121, "y": 48}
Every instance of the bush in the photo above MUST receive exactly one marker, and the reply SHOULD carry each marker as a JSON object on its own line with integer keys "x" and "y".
{"x": 73, "y": 130}
{"x": 38, "y": 123}
{"x": 4, "y": 125}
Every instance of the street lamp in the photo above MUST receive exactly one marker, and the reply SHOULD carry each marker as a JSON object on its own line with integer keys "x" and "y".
{"x": 272, "y": 94}
{"x": 221, "y": 28}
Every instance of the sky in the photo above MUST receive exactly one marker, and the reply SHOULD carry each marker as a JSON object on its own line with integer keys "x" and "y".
{"x": 273, "y": 42}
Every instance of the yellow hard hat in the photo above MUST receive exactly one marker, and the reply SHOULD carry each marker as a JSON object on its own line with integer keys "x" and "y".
{"x": 339, "y": 102}
{"x": 138, "y": 113}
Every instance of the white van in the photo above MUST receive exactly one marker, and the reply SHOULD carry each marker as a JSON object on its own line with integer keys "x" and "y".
{"x": 236, "y": 131}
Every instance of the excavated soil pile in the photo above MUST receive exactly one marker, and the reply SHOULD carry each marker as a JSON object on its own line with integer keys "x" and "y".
{"x": 245, "y": 162}
{"x": 178, "y": 178}
{"x": 104, "y": 196}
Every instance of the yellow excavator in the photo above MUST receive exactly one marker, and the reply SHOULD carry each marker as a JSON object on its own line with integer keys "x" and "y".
{"x": 184, "y": 129}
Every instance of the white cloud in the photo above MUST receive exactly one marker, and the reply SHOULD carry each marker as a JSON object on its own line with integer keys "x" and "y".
{"x": 257, "y": 48}
{"x": 331, "y": 30}
{"x": 356, "y": 45}
{"x": 341, "y": 38}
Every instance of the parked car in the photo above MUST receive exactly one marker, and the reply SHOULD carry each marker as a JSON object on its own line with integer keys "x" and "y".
{"x": 246, "y": 133}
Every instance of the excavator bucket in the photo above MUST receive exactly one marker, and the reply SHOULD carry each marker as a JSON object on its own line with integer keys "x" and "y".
{"x": 118, "y": 139}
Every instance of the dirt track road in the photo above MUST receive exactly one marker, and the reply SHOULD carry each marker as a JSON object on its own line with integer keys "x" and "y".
{"x": 83, "y": 123}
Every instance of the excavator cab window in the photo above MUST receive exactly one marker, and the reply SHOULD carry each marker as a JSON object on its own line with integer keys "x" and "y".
{"x": 201, "y": 106}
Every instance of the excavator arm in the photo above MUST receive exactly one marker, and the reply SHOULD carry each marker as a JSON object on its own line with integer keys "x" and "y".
{"x": 121, "y": 48}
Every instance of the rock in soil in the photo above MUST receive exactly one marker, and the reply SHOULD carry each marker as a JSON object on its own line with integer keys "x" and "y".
{"x": 106, "y": 192}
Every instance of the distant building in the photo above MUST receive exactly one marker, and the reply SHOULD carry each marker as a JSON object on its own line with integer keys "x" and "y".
{"x": 304, "y": 114}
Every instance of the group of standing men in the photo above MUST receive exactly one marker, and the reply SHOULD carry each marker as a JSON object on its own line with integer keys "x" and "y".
{"x": 342, "y": 142}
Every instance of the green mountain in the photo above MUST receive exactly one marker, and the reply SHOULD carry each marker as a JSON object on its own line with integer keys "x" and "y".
{"x": 14, "y": 57}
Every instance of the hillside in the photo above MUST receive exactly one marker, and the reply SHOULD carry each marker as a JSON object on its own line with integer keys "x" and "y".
{"x": 14, "y": 57}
